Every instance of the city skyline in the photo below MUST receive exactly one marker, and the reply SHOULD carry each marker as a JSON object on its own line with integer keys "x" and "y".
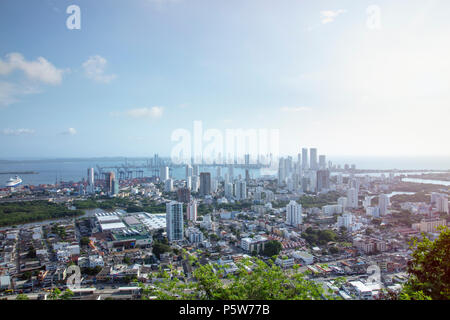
{"x": 131, "y": 76}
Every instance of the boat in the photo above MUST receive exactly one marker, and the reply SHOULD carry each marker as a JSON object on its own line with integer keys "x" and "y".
{"x": 14, "y": 182}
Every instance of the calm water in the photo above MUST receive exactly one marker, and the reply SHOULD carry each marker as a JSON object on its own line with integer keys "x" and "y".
{"x": 75, "y": 170}
{"x": 438, "y": 182}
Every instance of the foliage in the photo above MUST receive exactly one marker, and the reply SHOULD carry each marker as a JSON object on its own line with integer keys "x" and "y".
{"x": 272, "y": 248}
{"x": 22, "y": 297}
{"x": 265, "y": 281}
{"x": 84, "y": 241}
{"x": 56, "y": 294}
{"x": 320, "y": 200}
{"x": 160, "y": 247}
{"x": 429, "y": 269}
{"x": 319, "y": 237}
{"x": 12, "y": 213}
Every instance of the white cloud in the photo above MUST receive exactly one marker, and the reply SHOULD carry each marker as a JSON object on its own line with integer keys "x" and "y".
{"x": 39, "y": 70}
{"x": 328, "y": 16}
{"x": 17, "y": 132}
{"x": 295, "y": 109}
{"x": 69, "y": 132}
{"x": 94, "y": 68}
{"x": 153, "y": 112}
{"x": 10, "y": 92}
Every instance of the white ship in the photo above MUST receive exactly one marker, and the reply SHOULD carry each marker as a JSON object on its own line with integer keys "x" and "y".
{"x": 13, "y": 182}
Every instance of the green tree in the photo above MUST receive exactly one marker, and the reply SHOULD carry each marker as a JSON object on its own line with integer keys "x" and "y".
{"x": 22, "y": 297}
{"x": 265, "y": 281}
{"x": 272, "y": 248}
{"x": 429, "y": 269}
{"x": 84, "y": 241}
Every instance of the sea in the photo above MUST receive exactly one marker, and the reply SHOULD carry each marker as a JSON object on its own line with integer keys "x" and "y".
{"x": 48, "y": 171}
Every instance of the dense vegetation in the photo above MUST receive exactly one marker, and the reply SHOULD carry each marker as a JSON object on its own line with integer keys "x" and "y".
{"x": 266, "y": 281}
{"x": 417, "y": 197}
{"x": 320, "y": 200}
{"x": 125, "y": 203}
{"x": 13, "y": 213}
{"x": 319, "y": 237}
{"x": 272, "y": 248}
{"x": 429, "y": 269}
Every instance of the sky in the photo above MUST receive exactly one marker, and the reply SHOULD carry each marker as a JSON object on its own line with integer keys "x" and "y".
{"x": 351, "y": 78}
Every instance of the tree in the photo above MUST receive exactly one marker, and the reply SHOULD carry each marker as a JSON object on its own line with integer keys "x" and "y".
{"x": 22, "y": 297}
{"x": 272, "y": 248}
{"x": 84, "y": 241}
{"x": 159, "y": 248}
{"x": 429, "y": 269}
{"x": 266, "y": 281}
{"x": 31, "y": 253}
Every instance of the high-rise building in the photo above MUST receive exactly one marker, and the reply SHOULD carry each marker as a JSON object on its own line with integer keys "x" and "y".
{"x": 205, "y": 183}
{"x": 305, "y": 165}
{"x": 164, "y": 173}
{"x": 247, "y": 159}
{"x": 383, "y": 203}
{"x": 110, "y": 176}
{"x": 168, "y": 185}
{"x": 195, "y": 183}
{"x": 115, "y": 186}
{"x": 313, "y": 159}
{"x": 231, "y": 172}
{"x": 90, "y": 180}
{"x": 189, "y": 171}
{"x": 241, "y": 190}
{"x": 218, "y": 173}
{"x": 323, "y": 180}
{"x": 345, "y": 220}
{"x": 281, "y": 172}
{"x": 196, "y": 170}
{"x": 189, "y": 183}
{"x": 184, "y": 195}
{"x": 174, "y": 221}
{"x": 229, "y": 190}
{"x": 352, "y": 198}
{"x": 294, "y": 214}
{"x": 191, "y": 210}
{"x": 442, "y": 204}
{"x": 322, "y": 162}
{"x": 343, "y": 202}
{"x": 91, "y": 176}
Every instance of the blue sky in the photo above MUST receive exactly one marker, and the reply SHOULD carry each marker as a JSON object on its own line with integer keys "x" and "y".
{"x": 137, "y": 70}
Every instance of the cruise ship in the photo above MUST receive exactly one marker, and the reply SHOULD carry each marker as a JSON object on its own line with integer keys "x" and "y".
{"x": 13, "y": 182}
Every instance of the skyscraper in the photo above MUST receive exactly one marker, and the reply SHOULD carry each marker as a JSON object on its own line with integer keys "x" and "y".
{"x": 91, "y": 176}
{"x": 191, "y": 211}
{"x": 115, "y": 187}
{"x": 168, "y": 185}
{"x": 164, "y": 173}
{"x": 91, "y": 181}
{"x": 305, "y": 165}
{"x": 352, "y": 198}
{"x": 322, "y": 162}
{"x": 110, "y": 176}
{"x": 189, "y": 171}
{"x": 184, "y": 195}
{"x": 313, "y": 159}
{"x": 383, "y": 203}
{"x": 294, "y": 214}
{"x": 323, "y": 180}
{"x": 247, "y": 159}
{"x": 174, "y": 221}
{"x": 241, "y": 190}
{"x": 205, "y": 183}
